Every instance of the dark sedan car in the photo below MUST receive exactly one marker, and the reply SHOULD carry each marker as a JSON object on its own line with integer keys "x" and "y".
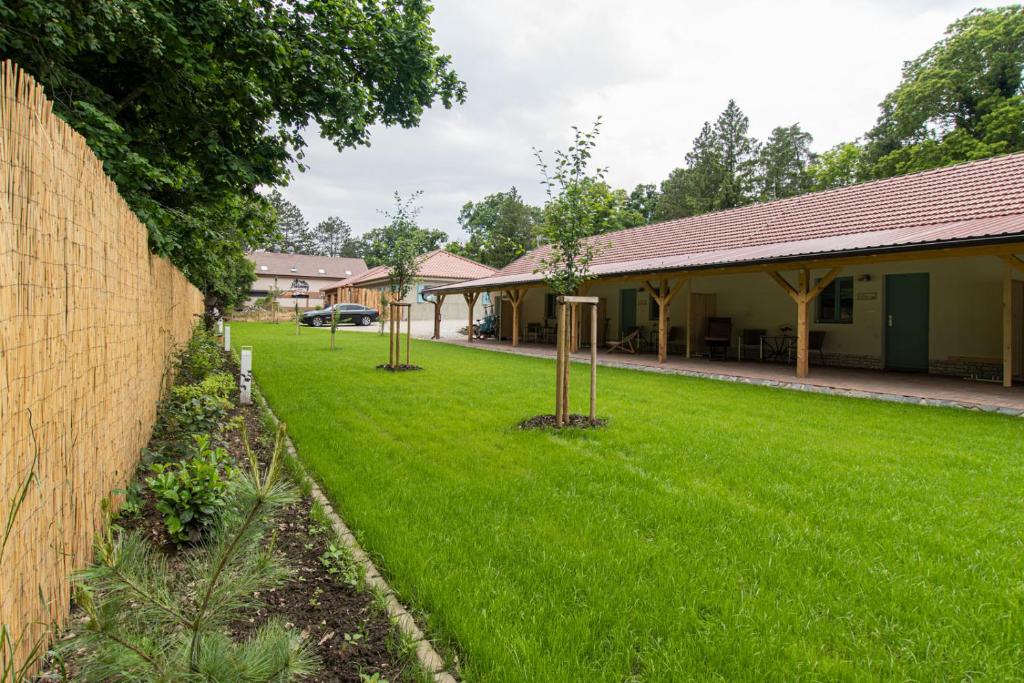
{"x": 347, "y": 313}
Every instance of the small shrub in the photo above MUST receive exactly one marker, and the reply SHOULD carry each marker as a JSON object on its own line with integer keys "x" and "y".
{"x": 197, "y": 408}
{"x": 338, "y": 562}
{"x": 147, "y": 619}
{"x": 190, "y": 494}
{"x": 202, "y": 356}
{"x": 132, "y": 504}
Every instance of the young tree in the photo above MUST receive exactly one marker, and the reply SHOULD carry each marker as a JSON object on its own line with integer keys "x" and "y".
{"x": 194, "y": 105}
{"x": 784, "y": 162}
{"x": 501, "y": 227}
{"x": 402, "y": 242}
{"x": 572, "y": 216}
{"x": 292, "y": 228}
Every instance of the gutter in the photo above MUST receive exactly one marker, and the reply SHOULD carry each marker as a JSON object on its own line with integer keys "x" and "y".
{"x": 796, "y": 258}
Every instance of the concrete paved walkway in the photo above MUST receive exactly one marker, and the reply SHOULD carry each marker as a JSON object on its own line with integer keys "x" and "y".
{"x": 886, "y": 386}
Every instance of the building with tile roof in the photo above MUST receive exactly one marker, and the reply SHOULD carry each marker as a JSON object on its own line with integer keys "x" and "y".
{"x": 917, "y": 273}
{"x": 299, "y": 278}
{"x": 434, "y": 269}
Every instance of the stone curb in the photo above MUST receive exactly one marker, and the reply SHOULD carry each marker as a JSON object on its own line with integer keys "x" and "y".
{"x": 428, "y": 657}
{"x": 778, "y": 384}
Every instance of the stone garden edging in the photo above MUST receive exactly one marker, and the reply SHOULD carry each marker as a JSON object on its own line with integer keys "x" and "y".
{"x": 428, "y": 657}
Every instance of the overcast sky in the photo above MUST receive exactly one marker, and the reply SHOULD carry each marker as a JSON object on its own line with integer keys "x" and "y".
{"x": 654, "y": 70}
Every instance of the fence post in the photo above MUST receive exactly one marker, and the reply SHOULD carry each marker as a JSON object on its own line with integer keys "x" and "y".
{"x": 245, "y": 376}
{"x": 227, "y": 337}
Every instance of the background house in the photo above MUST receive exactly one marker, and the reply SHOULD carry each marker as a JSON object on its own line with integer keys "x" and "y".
{"x": 299, "y": 277}
{"x": 434, "y": 269}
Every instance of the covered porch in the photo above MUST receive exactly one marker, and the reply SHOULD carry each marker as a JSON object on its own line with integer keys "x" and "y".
{"x": 919, "y": 388}
{"x": 956, "y": 312}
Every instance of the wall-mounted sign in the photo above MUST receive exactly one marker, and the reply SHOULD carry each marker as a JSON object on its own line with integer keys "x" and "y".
{"x": 867, "y": 296}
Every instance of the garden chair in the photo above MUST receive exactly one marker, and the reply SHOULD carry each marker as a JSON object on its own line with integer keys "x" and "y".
{"x": 816, "y": 342}
{"x": 676, "y": 339}
{"x": 533, "y": 332}
{"x": 751, "y": 339}
{"x": 629, "y": 343}
{"x": 718, "y": 336}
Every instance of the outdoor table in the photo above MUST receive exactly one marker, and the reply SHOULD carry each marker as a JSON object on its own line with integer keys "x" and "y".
{"x": 778, "y": 347}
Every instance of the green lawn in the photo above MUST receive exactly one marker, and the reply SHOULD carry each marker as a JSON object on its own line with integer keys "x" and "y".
{"x": 713, "y": 531}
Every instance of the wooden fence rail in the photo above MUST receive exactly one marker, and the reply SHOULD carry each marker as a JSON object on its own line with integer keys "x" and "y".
{"x": 88, "y": 321}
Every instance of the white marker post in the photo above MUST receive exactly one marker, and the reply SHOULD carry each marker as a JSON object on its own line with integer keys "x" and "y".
{"x": 245, "y": 376}
{"x": 227, "y": 337}
{"x": 220, "y": 326}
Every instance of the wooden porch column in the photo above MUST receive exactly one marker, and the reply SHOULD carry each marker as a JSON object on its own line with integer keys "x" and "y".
{"x": 803, "y": 363}
{"x": 516, "y": 297}
{"x": 470, "y": 298}
{"x": 576, "y": 321}
{"x": 1008, "y": 327}
{"x": 1013, "y": 262}
{"x": 438, "y": 303}
{"x": 803, "y": 295}
{"x": 664, "y": 297}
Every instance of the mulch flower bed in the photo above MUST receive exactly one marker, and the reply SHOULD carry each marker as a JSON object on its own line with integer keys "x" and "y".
{"x": 398, "y": 368}
{"x": 574, "y": 421}
{"x": 354, "y": 638}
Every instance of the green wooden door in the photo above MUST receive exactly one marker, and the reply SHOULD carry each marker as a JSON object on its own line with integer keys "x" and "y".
{"x": 906, "y": 322}
{"x": 627, "y": 309}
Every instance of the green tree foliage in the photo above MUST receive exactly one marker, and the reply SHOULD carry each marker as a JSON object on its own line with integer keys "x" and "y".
{"x": 292, "y": 230}
{"x": 838, "y": 167}
{"x": 332, "y": 237}
{"x": 375, "y": 245}
{"x": 501, "y": 227}
{"x": 674, "y": 196}
{"x": 573, "y": 212}
{"x": 193, "y": 105}
{"x": 737, "y": 155}
{"x": 401, "y": 243}
{"x": 783, "y": 163}
{"x": 644, "y": 201}
{"x": 720, "y": 171}
{"x": 960, "y": 100}
{"x": 613, "y": 208}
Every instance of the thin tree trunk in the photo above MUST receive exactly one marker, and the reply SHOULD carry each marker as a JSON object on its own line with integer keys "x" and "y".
{"x": 559, "y": 358}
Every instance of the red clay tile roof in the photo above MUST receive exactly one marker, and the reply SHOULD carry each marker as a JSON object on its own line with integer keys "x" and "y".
{"x": 434, "y": 265}
{"x": 305, "y": 265}
{"x": 973, "y": 200}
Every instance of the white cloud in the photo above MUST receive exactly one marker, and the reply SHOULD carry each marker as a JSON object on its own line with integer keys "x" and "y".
{"x": 655, "y": 71}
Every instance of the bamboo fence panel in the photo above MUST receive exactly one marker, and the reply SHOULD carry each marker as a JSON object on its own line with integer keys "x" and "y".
{"x": 88, "y": 321}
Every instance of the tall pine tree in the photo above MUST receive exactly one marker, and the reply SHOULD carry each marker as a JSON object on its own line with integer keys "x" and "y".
{"x": 737, "y": 154}
{"x": 783, "y": 163}
{"x": 292, "y": 228}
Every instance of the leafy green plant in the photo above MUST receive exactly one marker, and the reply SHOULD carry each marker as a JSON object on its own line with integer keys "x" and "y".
{"x": 202, "y": 356}
{"x": 132, "y": 504}
{"x": 190, "y": 494}
{"x": 197, "y": 408}
{"x": 338, "y": 562}
{"x": 147, "y": 621}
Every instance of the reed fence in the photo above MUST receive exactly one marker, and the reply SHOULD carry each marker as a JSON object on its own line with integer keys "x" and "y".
{"x": 88, "y": 322}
